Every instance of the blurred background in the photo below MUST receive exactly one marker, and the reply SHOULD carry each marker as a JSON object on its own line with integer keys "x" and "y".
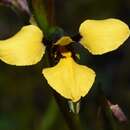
{"x": 26, "y": 103}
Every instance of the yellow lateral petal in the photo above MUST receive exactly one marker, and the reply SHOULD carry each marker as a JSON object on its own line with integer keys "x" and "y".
{"x": 70, "y": 79}
{"x": 63, "y": 41}
{"x": 102, "y": 36}
{"x": 24, "y": 48}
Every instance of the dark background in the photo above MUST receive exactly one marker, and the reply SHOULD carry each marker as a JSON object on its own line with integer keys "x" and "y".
{"x": 26, "y": 104}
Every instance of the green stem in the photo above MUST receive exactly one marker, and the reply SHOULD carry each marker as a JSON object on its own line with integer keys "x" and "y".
{"x": 39, "y": 13}
{"x": 71, "y": 118}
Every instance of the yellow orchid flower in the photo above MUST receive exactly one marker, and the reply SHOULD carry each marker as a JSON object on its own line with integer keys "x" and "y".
{"x": 68, "y": 78}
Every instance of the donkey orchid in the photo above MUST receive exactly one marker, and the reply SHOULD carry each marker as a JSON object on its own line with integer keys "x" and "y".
{"x": 68, "y": 78}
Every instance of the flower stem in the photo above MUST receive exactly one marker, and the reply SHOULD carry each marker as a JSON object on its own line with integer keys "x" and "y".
{"x": 71, "y": 118}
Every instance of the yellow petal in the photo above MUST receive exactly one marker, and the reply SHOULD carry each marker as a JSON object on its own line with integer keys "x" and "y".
{"x": 70, "y": 79}
{"x": 102, "y": 36}
{"x": 24, "y": 48}
{"x": 63, "y": 41}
